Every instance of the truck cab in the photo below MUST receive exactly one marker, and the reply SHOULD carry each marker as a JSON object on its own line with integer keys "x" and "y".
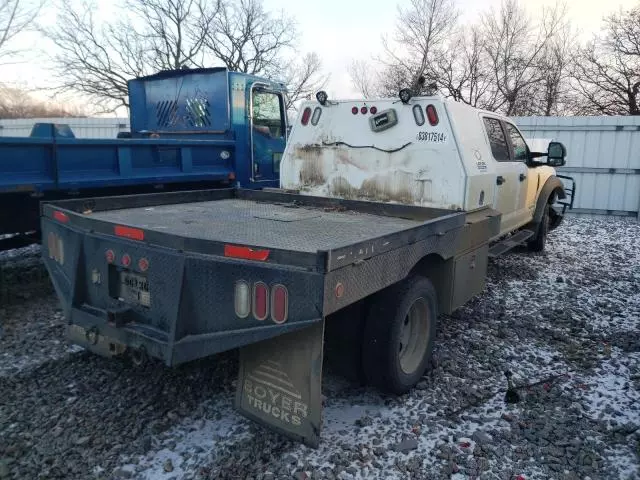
{"x": 216, "y": 104}
{"x": 426, "y": 151}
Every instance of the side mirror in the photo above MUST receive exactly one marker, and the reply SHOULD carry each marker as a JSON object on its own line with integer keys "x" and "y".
{"x": 556, "y": 154}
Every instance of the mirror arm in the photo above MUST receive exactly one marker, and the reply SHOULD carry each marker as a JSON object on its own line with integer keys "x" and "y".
{"x": 537, "y": 154}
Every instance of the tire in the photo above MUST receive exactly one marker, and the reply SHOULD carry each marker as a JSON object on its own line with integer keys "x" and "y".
{"x": 406, "y": 312}
{"x": 538, "y": 242}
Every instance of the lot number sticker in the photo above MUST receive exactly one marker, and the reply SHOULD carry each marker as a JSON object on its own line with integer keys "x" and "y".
{"x": 432, "y": 137}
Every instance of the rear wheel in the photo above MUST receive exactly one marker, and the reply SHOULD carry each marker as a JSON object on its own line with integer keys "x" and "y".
{"x": 399, "y": 335}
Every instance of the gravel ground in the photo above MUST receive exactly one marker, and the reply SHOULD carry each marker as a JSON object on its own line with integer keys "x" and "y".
{"x": 566, "y": 323}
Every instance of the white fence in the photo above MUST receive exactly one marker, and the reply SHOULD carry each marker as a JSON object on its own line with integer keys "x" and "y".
{"x": 603, "y": 155}
{"x": 82, "y": 127}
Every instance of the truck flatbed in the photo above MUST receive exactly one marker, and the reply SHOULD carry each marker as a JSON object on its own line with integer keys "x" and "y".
{"x": 284, "y": 226}
{"x": 306, "y": 231}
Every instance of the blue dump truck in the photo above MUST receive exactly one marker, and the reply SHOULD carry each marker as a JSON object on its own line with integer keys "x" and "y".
{"x": 198, "y": 128}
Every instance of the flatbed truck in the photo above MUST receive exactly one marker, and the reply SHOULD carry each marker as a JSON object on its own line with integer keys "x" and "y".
{"x": 386, "y": 217}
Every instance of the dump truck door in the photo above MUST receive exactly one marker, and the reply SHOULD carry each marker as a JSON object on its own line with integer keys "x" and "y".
{"x": 280, "y": 383}
{"x": 268, "y": 133}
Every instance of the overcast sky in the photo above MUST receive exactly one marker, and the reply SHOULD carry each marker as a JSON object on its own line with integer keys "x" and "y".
{"x": 341, "y": 30}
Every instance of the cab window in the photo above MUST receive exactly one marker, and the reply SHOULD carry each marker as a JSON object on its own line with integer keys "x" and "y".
{"x": 267, "y": 114}
{"x": 518, "y": 143}
{"x": 497, "y": 139}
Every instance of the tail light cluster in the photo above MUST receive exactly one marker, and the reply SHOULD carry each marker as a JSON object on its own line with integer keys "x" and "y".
{"x": 432, "y": 115}
{"x": 261, "y": 301}
{"x": 306, "y": 116}
{"x": 364, "y": 110}
{"x": 55, "y": 245}
{"x": 126, "y": 260}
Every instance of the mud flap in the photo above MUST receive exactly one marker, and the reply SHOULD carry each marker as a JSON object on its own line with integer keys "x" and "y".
{"x": 280, "y": 382}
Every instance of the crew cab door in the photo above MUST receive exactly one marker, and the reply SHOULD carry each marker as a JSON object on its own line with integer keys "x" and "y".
{"x": 511, "y": 172}
{"x": 268, "y": 134}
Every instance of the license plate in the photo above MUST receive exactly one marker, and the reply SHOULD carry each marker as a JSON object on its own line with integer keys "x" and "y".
{"x": 134, "y": 288}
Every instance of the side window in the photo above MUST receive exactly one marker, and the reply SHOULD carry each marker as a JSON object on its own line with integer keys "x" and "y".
{"x": 497, "y": 140}
{"x": 519, "y": 145}
{"x": 267, "y": 114}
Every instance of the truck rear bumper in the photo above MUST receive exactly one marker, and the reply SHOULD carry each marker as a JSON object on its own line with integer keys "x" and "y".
{"x": 103, "y": 338}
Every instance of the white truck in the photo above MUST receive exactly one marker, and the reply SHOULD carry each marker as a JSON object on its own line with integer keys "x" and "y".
{"x": 387, "y": 214}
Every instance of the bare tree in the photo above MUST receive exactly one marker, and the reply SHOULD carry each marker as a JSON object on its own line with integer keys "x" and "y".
{"x": 303, "y": 79}
{"x": 97, "y": 58}
{"x": 608, "y": 72}
{"x": 175, "y": 30}
{"x": 363, "y": 77}
{"x": 18, "y": 103}
{"x": 421, "y": 31}
{"x": 246, "y": 38}
{"x": 464, "y": 72}
{"x": 515, "y": 48}
{"x": 557, "y": 59}
{"x": 15, "y": 17}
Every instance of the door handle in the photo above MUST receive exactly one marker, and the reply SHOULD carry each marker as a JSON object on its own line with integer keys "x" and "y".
{"x": 500, "y": 180}
{"x": 522, "y": 177}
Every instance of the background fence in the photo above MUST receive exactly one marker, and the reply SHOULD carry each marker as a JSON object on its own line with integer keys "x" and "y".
{"x": 603, "y": 153}
{"x": 82, "y": 127}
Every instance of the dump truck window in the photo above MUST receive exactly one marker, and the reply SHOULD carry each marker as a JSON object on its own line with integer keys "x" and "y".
{"x": 497, "y": 139}
{"x": 519, "y": 145}
{"x": 267, "y": 114}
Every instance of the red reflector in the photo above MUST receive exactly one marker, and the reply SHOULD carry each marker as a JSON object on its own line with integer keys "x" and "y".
{"x": 279, "y": 304}
{"x": 354, "y": 110}
{"x": 143, "y": 264}
{"x": 432, "y": 115}
{"x": 245, "y": 253}
{"x": 128, "y": 232}
{"x": 126, "y": 260}
{"x": 60, "y": 216}
{"x": 260, "y": 301}
{"x": 110, "y": 256}
{"x": 364, "y": 110}
{"x": 373, "y": 110}
{"x": 306, "y": 115}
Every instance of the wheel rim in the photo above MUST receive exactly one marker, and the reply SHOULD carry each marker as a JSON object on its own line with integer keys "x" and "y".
{"x": 414, "y": 336}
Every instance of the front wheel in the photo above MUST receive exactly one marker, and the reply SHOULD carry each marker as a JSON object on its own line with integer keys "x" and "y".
{"x": 538, "y": 242}
{"x": 399, "y": 335}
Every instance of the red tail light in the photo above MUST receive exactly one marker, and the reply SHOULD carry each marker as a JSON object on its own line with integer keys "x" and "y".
{"x": 61, "y": 216}
{"x": 354, "y": 110}
{"x": 306, "y": 115}
{"x": 110, "y": 256}
{"x": 279, "y": 304}
{"x": 128, "y": 232}
{"x": 126, "y": 260}
{"x": 364, "y": 110}
{"x": 260, "y": 301}
{"x": 432, "y": 115}
{"x": 245, "y": 253}
{"x": 373, "y": 110}
{"x": 143, "y": 264}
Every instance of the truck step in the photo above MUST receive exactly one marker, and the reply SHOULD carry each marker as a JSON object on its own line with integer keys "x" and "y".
{"x": 509, "y": 243}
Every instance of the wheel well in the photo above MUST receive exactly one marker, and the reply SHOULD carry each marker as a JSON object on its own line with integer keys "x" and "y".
{"x": 432, "y": 267}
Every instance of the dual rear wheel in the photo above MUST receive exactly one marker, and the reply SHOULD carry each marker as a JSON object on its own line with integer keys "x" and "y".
{"x": 387, "y": 340}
